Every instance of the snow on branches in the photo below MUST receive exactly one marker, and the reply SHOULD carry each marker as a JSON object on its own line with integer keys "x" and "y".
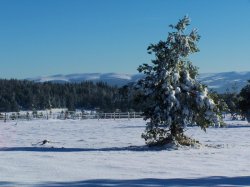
{"x": 170, "y": 86}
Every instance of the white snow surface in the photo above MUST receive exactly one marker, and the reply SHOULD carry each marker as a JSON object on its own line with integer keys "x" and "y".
{"x": 112, "y": 153}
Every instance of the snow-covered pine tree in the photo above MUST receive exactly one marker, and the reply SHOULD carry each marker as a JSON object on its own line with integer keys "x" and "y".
{"x": 176, "y": 99}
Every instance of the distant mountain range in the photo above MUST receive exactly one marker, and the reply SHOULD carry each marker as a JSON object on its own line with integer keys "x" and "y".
{"x": 110, "y": 78}
{"x": 219, "y": 82}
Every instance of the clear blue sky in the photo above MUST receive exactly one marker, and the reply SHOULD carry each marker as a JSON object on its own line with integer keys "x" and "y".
{"x": 46, "y": 37}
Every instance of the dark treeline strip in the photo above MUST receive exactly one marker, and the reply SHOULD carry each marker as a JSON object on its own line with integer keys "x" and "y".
{"x": 16, "y": 95}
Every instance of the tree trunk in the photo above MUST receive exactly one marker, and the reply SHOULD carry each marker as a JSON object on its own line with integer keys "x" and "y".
{"x": 176, "y": 130}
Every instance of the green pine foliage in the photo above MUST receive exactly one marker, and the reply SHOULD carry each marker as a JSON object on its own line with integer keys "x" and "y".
{"x": 16, "y": 95}
{"x": 244, "y": 102}
{"x": 175, "y": 98}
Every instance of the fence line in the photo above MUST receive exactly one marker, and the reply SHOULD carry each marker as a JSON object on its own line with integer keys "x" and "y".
{"x": 69, "y": 115}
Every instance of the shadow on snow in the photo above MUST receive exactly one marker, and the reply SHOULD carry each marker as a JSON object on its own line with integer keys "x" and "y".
{"x": 238, "y": 126}
{"x": 64, "y": 149}
{"x": 149, "y": 182}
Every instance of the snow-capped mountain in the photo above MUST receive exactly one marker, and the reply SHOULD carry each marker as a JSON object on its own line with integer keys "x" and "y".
{"x": 219, "y": 82}
{"x": 110, "y": 78}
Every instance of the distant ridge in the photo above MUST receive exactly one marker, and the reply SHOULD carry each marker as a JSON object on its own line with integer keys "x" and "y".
{"x": 114, "y": 79}
{"x": 219, "y": 82}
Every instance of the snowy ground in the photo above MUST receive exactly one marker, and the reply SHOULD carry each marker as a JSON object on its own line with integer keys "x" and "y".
{"x": 111, "y": 153}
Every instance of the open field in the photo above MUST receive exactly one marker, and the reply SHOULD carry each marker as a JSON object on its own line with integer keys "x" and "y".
{"x": 111, "y": 153}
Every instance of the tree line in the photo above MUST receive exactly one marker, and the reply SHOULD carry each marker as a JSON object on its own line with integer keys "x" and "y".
{"x": 16, "y": 95}
{"x": 238, "y": 103}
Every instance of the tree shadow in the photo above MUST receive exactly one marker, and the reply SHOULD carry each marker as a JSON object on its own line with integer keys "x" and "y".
{"x": 216, "y": 181}
{"x": 4, "y": 183}
{"x": 131, "y": 127}
{"x": 237, "y": 126}
{"x": 63, "y": 149}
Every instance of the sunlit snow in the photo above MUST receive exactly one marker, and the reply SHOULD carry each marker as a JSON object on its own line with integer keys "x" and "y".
{"x": 112, "y": 153}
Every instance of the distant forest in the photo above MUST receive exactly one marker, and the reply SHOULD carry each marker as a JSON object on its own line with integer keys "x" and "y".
{"x": 16, "y": 95}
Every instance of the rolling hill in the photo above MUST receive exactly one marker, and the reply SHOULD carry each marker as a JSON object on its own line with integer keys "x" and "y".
{"x": 220, "y": 82}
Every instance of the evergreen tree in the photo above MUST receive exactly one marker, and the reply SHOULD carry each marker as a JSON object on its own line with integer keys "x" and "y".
{"x": 18, "y": 95}
{"x": 244, "y": 103}
{"x": 170, "y": 86}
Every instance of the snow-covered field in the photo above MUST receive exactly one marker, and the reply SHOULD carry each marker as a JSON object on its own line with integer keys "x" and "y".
{"x": 111, "y": 153}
